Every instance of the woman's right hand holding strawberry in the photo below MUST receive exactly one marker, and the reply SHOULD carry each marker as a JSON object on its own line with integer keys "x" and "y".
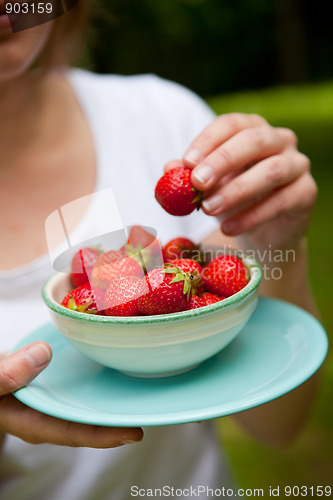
{"x": 253, "y": 175}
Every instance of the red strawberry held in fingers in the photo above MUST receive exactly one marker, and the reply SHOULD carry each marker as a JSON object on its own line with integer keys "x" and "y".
{"x": 82, "y": 265}
{"x": 121, "y": 298}
{"x": 225, "y": 275}
{"x": 82, "y": 299}
{"x": 181, "y": 248}
{"x": 175, "y": 192}
{"x": 169, "y": 291}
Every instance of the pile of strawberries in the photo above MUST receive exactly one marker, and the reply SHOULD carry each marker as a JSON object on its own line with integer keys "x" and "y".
{"x": 117, "y": 283}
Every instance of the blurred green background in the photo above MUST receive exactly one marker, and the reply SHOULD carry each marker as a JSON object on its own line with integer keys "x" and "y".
{"x": 275, "y": 58}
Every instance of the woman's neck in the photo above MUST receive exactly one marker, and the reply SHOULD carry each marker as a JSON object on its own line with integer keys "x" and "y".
{"x": 55, "y": 165}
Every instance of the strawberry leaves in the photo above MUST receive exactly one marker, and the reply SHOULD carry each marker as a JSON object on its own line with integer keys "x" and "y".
{"x": 180, "y": 275}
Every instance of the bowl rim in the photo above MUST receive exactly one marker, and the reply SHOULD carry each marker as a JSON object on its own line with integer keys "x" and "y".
{"x": 250, "y": 263}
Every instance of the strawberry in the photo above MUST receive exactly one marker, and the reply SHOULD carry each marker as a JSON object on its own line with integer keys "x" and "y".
{"x": 121, "y": 298}
{"x": 196, "y": 302}
{"x": 99, "y": 294}
{"x": 225, "y": 275}
{"x": 191, "y": 267}
{"x": 139, "y": 238}
{"x": 210, "y": 298}
{"x": 113, "y": 264}
{"x": 169, "y": 290}
{"x": 175, "y": 192}
{"x": 181, "y": 248}
{"x": 81, "y": 299}
{"x": 82, "y": 265}
{"x": 111, "y": 256}
{"x": 204, "y": 300}
{"x": 144, "y": 247}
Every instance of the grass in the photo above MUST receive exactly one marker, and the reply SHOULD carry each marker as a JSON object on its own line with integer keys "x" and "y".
{"x": 308, "y": 110}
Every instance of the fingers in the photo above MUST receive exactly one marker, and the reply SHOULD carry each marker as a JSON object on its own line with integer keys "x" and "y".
{"x": 36, "y": 428}
{"x": 217, "y": 132}
{"x": 246, "y": 147}
{"x": 257, "y": 182}
{"x": 294, "y": 198}
{"x": 19, "y": 368}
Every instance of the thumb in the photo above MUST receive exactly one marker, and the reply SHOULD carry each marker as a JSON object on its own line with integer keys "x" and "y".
{"x": 19, "y": 368}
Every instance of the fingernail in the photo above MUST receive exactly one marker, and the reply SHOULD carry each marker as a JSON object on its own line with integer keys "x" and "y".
{"x": 37, "y": 355}
{"x": 212, "y": 203}
{"x": 128, "y": 441}
{"x": 203, "y": 174}
{"x": 193, "y": 156}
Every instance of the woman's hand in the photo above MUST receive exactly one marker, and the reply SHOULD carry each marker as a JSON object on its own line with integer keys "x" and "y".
{"x": 20, "y": 368}
{"x": 255, "y": 178}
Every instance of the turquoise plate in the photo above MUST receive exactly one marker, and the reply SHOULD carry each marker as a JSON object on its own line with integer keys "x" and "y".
{"x": 280, "y": 347}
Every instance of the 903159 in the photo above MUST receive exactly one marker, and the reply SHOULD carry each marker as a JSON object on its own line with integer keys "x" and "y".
{"x": 307, "y": 491}
{"x": 29, "y": 8}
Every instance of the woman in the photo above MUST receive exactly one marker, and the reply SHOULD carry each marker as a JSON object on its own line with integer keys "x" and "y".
{"x": 65, "y": 134}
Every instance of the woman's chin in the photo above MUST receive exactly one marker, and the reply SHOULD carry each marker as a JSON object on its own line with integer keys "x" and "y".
{"x": 18, "y": 51}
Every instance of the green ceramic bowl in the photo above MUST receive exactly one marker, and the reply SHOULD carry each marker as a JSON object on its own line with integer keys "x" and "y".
{"x": 154, "y": 346}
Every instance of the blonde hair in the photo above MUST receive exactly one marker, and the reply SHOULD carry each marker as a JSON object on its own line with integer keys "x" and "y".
{"x": 66, "y": 39}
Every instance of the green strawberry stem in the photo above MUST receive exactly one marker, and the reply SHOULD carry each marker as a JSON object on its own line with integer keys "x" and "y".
{"x": 131, "y": 249}
{"x": 180, "y": 275}
{"x": 198, "y": 198}
{"x": 196, "y": 280}
{"x": 142, "y": 262}
{"x": 136, "y": 254}
{"x": 81, "y": 308}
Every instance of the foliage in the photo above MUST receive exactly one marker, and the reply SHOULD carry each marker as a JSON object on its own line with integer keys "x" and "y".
{"x": 212, "y": 46}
